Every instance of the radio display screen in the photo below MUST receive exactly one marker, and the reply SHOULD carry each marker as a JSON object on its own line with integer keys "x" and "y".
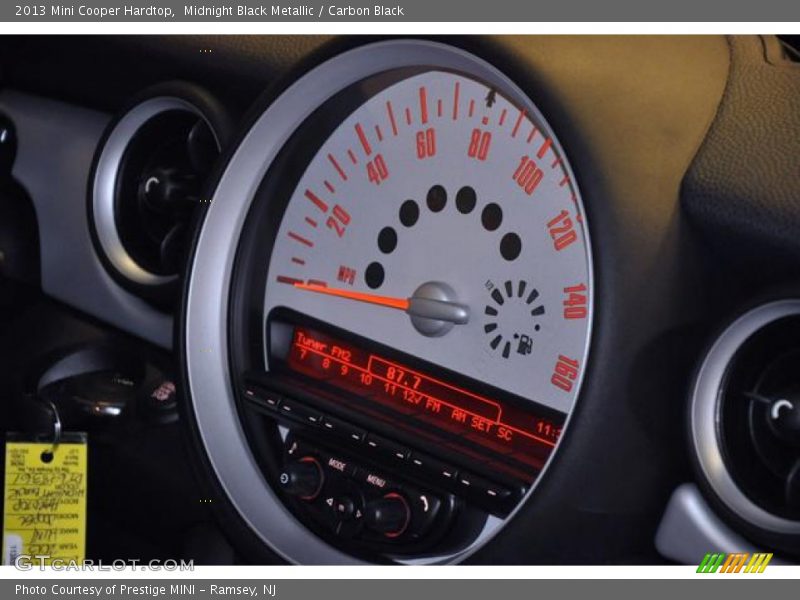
{"x": 499, "y": 427}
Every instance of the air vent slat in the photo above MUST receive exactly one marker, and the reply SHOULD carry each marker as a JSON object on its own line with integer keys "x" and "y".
{"x": 148, "y": 178}
{"x": 745, "y": 418}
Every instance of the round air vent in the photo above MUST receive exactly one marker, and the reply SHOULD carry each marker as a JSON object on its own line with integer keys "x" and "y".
{"x": 745, "y": 418}
{"x": 147, "y": 181}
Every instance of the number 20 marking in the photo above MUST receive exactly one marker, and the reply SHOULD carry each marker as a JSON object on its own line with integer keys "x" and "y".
{"x": 339, "y": 221}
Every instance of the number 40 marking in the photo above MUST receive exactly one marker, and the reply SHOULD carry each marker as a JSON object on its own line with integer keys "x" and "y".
{"x": 377, "y": 171}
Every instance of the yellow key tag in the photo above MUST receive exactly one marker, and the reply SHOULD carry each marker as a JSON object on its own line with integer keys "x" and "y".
{"x": 44, "y": 511}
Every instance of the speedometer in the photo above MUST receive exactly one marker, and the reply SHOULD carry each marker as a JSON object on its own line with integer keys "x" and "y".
{"x": 409, "y": 308}
{"x": 440, "y": 218}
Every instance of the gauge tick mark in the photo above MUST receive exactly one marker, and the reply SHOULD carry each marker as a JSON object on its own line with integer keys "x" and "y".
{"x": 520, "y": 117}
{"x": 544, "y": 148}
{"x": 288, "y": 280}
{"x": 363, "y": 139}
{"x": 318, "y": 202}
{"x": 423, "y": 105}
{"x": 299, "y": 238}
{"x": 338, "y": 168}
{"x": 503, "y": 117}
{"x": 391, "y": 118}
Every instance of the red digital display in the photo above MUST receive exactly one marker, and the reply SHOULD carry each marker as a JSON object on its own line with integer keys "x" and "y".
{"x": 499, "y": 427}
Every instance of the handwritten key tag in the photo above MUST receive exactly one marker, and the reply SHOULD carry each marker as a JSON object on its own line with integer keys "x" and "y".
{"x": 44, "y": 514}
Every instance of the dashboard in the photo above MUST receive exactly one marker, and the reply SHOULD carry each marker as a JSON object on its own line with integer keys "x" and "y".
{"x": 515, "y": 299}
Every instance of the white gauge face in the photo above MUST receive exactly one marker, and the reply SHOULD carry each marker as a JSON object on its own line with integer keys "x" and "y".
{"x": 443, "y": 220}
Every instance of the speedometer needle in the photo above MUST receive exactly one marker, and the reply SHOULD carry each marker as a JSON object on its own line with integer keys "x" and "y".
{"x": 426, "y": 308}
{"x": 388, "y": 301}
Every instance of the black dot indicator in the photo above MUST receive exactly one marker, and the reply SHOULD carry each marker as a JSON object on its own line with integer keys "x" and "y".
{"x": 387, "y": 240}
{"x": 491, "y": 216}
{"x": 466, "y": 200}
{"x": 409, "y": 213}
{"x": 374, "y": 275}
{"x": 510, "y": 246}
{"x": 437, "y": 198}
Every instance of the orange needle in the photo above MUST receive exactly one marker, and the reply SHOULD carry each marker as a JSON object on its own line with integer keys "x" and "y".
{"x": 388, "y": 301}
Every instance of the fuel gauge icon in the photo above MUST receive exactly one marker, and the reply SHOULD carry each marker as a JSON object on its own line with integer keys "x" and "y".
{"x": 512, "y": 317}
{"x": 524, "y": 343}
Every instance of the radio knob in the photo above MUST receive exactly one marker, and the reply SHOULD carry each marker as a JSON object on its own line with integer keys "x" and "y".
{"x": 390, "y": 515}
{"x": 302, "y": 478}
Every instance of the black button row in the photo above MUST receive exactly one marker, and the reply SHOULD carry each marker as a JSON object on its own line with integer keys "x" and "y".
{"x": 389, "y": 451}
{"x": 275, "y": 403}
{"x": 387, "y": 448}
{"x": 343, "y": 429}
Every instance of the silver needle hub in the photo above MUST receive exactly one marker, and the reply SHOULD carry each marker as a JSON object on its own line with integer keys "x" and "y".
{"x": 434, "y": 309}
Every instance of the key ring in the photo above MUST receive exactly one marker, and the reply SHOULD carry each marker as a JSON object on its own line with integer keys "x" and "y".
{"x": 56, "y": 423}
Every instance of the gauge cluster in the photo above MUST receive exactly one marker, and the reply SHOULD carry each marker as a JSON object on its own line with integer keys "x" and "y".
{"x": 412, "y": 295}
{"x": 392, "y": 339}
{"x": 428, "y": 293}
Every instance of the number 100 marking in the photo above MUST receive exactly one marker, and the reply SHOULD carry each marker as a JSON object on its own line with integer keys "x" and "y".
{"x": 528, "y": 175}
